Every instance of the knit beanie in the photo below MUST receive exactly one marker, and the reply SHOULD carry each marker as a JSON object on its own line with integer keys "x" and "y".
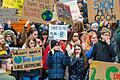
{"x": 53, "y": 43}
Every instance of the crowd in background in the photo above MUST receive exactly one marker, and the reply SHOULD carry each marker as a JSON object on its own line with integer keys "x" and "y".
{"x": 62, "y": 59}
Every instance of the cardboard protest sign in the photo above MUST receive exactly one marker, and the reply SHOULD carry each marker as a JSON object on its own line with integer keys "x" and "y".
{"x": 117, "y": 9}
{"x": 39, "y": 11}
{"x": 63, "y": 13}
{"x": 99, "y": 10}
{"x": 8, "y": 14}
{"x": 75, "y": 12}
{"x": 64, "y": 1}
{"x": 58, "y": 32}
{"x": 27, "y": 59}
{"x": 104, "y": 71}
{"x": 18, "y": 4}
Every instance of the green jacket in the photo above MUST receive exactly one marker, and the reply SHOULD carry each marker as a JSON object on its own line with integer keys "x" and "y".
{"x": 4, "y": 76}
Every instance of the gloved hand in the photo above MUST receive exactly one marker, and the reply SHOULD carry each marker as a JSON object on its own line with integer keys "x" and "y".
{"x": 66, "y": 53}
{"x": 50, "y": 53}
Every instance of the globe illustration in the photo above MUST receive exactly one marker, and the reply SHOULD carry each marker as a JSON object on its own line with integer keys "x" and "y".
{"x": 47, "y": 15}
{"x": 18, "y": 59}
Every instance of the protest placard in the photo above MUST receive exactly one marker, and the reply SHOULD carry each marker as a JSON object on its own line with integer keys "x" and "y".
{"x": 64, "y": 1}
{"x": 18, "y": 4}
{"x": 104, "y": 71}
{"x": 8, "y": 14}
{"x": 58, "y": 32}
{"x": 27, "y": 59}
{"x": 117, "y": 9}
{"x": 75, "y": 12}
{"x": 39, "y": 11}
{"x": 63, "y": 13}
{"x": 99, "y": 10}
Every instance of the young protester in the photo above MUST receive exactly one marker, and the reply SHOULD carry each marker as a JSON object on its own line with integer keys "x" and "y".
{"x": 77, "y": 64}
{"x": 3, "y": 45}
{"x": 91, "y": 39}
{"x": 72, "y": 41}
{"x": 5, "y": 65}
{"x": 103, "y": 50}
{"x": 56, "y": 62}
{"x": 10, "y": 38}
{"x": 1, "y": 29}
{"x": 31, "y": 74}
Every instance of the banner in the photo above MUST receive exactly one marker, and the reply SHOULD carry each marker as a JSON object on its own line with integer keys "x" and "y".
{"x": 18, "y": 4}
{"x": 117, "y": 9}
{"x": 99, "y": 10}
{"x": 39, "y": 11}
{"x": 58, "y": 32}
{"x": 64, "y": 1}
{"x": 8, "y": 14}
{"x": 75, "y": 12}
{"x": 63, "y": 13}
{"x": 27, "y": 59}
{"x": 104, "y": 71}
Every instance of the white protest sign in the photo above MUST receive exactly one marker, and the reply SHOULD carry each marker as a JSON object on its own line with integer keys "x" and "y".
{"x": 58, "y": 32}
{"x": 64, "y": 1}
{"x": 75, "y": 12}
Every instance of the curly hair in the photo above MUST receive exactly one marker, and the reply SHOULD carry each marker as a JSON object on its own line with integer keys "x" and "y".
{"x": 12, "y": 34}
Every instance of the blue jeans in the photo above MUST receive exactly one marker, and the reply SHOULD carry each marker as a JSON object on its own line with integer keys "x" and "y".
{"x": 31, "y": 78}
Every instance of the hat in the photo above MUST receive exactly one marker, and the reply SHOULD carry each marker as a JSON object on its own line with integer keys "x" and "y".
{"x": 94, "y": 24}
{"x": 53, "y": 43}
{"x": 5, "y": 56}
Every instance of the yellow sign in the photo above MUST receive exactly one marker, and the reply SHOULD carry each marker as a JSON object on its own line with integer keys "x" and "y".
{"x": 18, "y": 4}
{"x": 104, "y": 71}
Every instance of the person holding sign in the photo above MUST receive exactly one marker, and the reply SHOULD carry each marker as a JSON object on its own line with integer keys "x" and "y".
{"x": 5, "y": 65}
{"x": 31, "y": 74}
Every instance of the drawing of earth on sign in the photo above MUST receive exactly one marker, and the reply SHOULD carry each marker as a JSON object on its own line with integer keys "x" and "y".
{"x": 18, "y": 59}
{"x": 47, "y": 15}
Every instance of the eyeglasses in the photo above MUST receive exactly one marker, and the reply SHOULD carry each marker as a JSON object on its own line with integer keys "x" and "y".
{"x": 106, "y": 34}
{"x": 1, "y": 28}
{"x": 35, "y": 34}
{"x": 75, "y": 36}
{"x": 95, "y": 27}
{"x": 77, "y": 49}
{"x": 31, "y": 43}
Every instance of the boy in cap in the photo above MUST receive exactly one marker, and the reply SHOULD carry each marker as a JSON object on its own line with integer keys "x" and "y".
{"x": 103, "y": 50}
{"x": 5, "y": 65}
{"x": 56, "y": 61}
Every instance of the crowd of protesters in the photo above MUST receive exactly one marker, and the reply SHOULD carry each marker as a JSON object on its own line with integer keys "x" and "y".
{"x": 62, "y": 59}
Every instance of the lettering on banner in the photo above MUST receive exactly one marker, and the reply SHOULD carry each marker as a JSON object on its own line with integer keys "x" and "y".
{"x": 104, "y": 10}
{"x": 27, "y": 59}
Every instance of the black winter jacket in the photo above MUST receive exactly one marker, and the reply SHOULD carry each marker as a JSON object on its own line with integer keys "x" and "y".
{"x": 103, "y": 52}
